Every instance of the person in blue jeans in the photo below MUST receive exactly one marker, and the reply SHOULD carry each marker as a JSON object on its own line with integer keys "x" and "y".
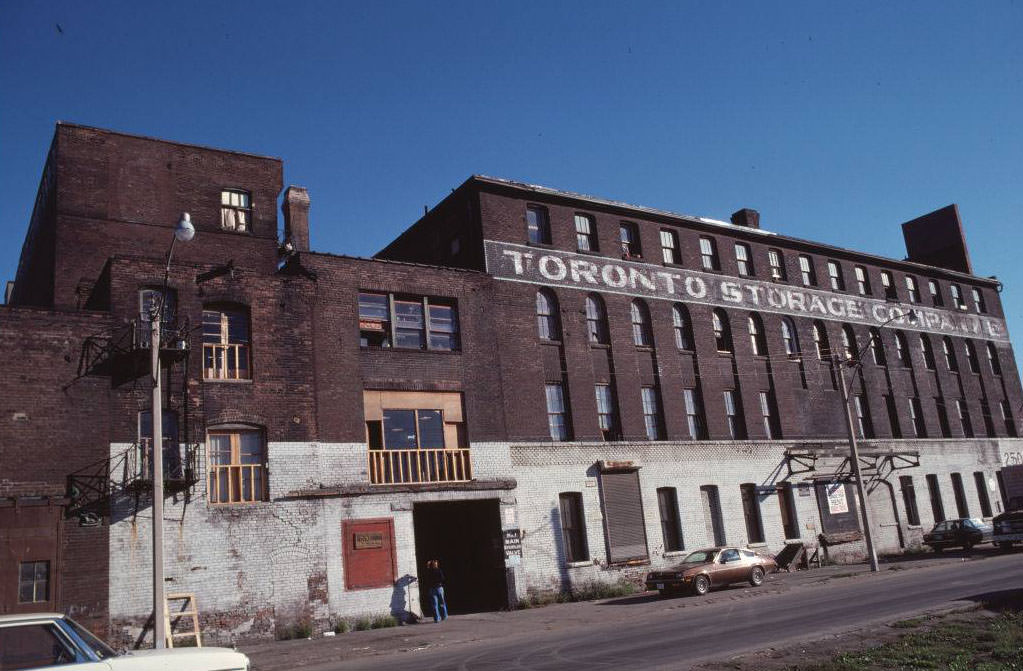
{"x": 434, "y": 580}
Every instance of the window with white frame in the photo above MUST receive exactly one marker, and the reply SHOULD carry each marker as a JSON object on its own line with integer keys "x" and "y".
{"x": 733, "y": 415}
{"x": 653, "y": 419}
{"x": 669, "y": 247}
{"x": 33, "y": 583}
{"x": 949, "y": 352}
{"x": 862, "y": 280}
{"x": 913, "y": 289}
{"x": 864, "y": 426}
{"x": 964, "y": 418}
{"x": 935, "y": 291}
{"x": 769, "y": 414}
{"x": 835, "y": 276}
{"x": 596, "y": 321}
{"x": 776, "y": 260}
{"x": 682, "y": 326}
{"x": 607, "y": 414}
{"x": 806, "y": 271}
{"x": 709, "y": 254}
{"x": 927, "y": 351}
{"x": 694, "y": 413}
{"x": 758, "y": 341}
{"x": 585, "y": 233}
{"x": 888, "y": 284}
{"x": 992, "y": 359}
{"x": 971, "y": 356}
{"x": 642, "y": 334}
{"x": 743, "y": 259}
{"x": 978, "y": 300}
{"x": 548, "y": 324}
{"x": 722, "y": 331}
{"x": 789, "y": 337}
{"x": 1008, "y": 419}
{"x": 557, "y": 417}
{"x": 235, "y": 210}
{"x": 957, "y": 296}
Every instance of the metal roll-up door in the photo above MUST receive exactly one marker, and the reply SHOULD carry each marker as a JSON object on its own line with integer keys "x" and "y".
{"x": 623, "y": 516}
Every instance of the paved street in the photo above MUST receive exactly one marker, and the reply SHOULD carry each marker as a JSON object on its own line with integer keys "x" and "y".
{"x": 645, "y": 632}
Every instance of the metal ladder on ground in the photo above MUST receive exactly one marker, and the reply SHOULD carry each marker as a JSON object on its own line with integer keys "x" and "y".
{"x": 190, "y": 608}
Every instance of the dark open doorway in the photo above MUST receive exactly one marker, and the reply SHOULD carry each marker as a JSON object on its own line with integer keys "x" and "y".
{"x": 466, "y": 537}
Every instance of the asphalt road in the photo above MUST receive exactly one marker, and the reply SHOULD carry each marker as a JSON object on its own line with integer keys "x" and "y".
{"x": 645, "y": 634}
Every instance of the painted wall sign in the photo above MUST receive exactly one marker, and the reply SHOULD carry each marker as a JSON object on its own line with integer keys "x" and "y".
{"x": 521, "y": 263}
{"x": 512, "y": 543}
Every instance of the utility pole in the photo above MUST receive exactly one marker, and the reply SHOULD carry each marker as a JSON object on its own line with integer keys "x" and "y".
{"x": 854, "y": 456}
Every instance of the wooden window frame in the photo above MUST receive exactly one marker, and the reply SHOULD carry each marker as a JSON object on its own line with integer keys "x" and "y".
{"x": 240, "y": 351}
{"x": 235, "y": 468}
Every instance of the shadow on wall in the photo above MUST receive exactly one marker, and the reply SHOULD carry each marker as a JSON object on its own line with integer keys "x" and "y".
{"x": 401, "y": 600}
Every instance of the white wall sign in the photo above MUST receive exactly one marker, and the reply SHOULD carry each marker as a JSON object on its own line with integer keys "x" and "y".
{"x": 837, "y": 501}
{"x": 555, "y": 268}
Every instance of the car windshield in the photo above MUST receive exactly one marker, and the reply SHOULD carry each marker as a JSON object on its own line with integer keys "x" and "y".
{"x": 700, "y": 557}
{"x": 98, "y": 647}
{"x": 974, "y": 522}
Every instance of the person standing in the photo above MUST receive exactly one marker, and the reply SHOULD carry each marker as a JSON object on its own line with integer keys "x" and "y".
{"x": 435, "y": 583}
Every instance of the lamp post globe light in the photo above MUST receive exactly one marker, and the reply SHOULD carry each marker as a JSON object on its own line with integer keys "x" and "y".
{"x": 184, "y": 231}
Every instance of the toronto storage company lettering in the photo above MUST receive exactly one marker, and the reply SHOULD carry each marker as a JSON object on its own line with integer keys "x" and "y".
{"x": 521, "y": 263}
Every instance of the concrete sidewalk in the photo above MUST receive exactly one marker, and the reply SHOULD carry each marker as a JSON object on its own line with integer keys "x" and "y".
{"x": 460, "y": 629}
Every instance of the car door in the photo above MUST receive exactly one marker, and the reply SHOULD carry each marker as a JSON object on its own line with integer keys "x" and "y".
{"x": 42, "y": 644}
{"x": 732, "y": 568}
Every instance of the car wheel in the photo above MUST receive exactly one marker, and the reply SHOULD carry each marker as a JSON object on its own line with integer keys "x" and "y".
{"x": 968, "y": 546}
{"x": 756, "y": 576}
{"x": 701, "y": 584}
{"x": 937, "y": 548}
{"x": 1003, "y": 545}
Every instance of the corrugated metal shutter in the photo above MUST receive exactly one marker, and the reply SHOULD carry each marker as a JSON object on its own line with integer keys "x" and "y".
{"x": 623, "y": 516}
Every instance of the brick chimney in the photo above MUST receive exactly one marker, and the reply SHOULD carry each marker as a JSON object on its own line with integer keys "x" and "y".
{"x": 747, "y": 218}
{"x": 296, "y": 218}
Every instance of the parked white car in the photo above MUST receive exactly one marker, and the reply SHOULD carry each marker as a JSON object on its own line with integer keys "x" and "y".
{"x": 52, "y": 640}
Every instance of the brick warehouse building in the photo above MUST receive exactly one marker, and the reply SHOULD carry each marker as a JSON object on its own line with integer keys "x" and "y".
{"x": 539, "y": 388}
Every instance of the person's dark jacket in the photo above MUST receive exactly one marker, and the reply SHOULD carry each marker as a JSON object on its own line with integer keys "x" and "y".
{"x": 434, "y": 577}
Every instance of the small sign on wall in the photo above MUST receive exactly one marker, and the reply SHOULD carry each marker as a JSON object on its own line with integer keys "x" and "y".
{"x": 369, "y": 540}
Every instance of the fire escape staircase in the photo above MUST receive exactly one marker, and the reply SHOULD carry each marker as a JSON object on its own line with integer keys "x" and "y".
{"x": 125, "y": 355}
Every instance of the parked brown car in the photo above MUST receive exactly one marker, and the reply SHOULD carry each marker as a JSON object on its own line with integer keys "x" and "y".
{"x": 712, "y": 567}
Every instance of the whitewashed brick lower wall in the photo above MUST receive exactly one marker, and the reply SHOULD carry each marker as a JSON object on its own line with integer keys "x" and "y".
{"x": 257, "y": 566}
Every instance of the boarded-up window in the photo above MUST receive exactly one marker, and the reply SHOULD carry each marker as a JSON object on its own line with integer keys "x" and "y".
{"x": 837, "y": 504}
{"x": 623, "y": 516}
{"x": 369, "y": 553}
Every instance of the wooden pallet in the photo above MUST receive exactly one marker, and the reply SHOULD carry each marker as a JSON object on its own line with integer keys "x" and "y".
{"x": 190, "y": 608}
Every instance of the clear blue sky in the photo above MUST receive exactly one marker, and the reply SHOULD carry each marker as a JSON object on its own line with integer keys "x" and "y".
{"x": 837, "y": 121}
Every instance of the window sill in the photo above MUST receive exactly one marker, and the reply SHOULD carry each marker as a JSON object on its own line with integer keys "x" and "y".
{"x": 674, "y": 553}
{"x": 589, "y": 252}
{"x": 419, "y": 350}
{"x": 599, "y": 345}
{"x": 669, "y": 264}
{"x": 578, "y": 564}
{"x": 539, "y": 245}
{"x": 218, "y": 380}
{"x": 756, "y": 545}
{"x": 681, "y": 350}
{"x": 644, "y": 348}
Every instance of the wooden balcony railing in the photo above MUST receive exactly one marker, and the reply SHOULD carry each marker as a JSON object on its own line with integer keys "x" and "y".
{"x": 238, "y": 483}
{"x": 225, "y": 362}
{"x": 397, "y": 467}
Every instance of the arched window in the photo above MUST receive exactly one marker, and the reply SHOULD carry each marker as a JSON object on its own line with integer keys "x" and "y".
{"x": 971, "y": 357}
{"x": 642, "y": 335}
{"x": 877, "y": 347}
{"x": 790, "y": 337}
{"x": 683, "y": 329}
{"x": 928, "y": 351}
{"x": 820, "y": 340}
{"x": 849, "y": 349}
{"x": 547, "y": 323}
{"x": 596, "y": 321}
{"x": 992, "y": 359}
{"x": 757, "y": 341}
{"x": 902, "y": 349}
{"x": 722, "y": 331}
{"x": 225, "y": 343}
{"x": 949, "y": 352}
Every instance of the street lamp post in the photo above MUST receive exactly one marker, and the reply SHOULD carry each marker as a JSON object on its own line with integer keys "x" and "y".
{"x": 183, "y": 232}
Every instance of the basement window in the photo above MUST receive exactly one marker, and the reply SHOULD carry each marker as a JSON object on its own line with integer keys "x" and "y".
{"x": 33, "y": 582}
